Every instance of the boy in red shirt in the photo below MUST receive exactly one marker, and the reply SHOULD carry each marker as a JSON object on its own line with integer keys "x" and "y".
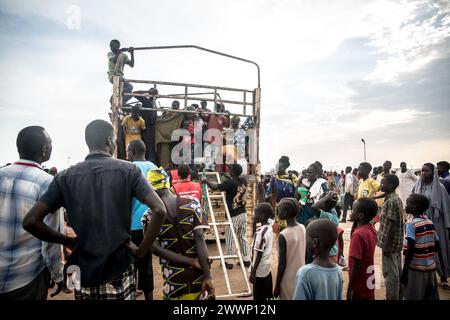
{"x": 185, "y": 187}
{"x": 362, "y": 250}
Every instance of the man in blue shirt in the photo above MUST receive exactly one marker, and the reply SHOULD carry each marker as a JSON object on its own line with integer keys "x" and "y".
{"x": 136, "y": 154}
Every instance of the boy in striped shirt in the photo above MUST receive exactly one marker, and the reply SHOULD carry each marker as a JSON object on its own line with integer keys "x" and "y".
{"x": 260, "y": 274}
{"x": 421, "y": 247}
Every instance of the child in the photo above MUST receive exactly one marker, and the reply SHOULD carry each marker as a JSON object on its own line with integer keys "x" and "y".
{"x": 291, "y": 248}
{"x": 260, "y": 274}
{"x": 368, "y": 187}
{"x": 133, "y": 125}
{"x": 303, "y": 190}
{"x": 419, "y": 270}
{"x": 340, "y": 244}
{"x": 324, "y": 208}
{"x": 322, "y": 279}
{"x": 390, "y": 236}
{"x": 362, "y": 251}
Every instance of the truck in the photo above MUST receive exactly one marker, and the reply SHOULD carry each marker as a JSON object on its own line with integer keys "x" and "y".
{"x": 245, "y": 103}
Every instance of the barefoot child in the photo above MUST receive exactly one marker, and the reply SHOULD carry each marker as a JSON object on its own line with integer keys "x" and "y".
{"x": 261, "y": 275}
{"x": 419, "y": 270}
{"x": 362, "y": 251}
{"x": 291, "y": 248}
{"x": 322, "y": 279}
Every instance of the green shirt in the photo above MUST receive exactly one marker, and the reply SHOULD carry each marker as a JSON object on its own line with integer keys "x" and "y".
{"x": 115, "y": 67}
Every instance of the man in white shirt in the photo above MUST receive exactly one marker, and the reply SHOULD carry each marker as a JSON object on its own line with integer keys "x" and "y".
{"x": 407, "y": 180}
{"x": 349, "y": 188}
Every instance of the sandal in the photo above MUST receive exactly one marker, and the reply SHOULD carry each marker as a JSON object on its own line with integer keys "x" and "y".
{"x": 445, "y": 285}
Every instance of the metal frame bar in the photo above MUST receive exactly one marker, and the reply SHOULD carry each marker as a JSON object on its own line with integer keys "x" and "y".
{"x": 179, "y": 84}
{"x": 189, "y": 111}
{"x": 207, "y": 50}
{"x": 183, "y": 97}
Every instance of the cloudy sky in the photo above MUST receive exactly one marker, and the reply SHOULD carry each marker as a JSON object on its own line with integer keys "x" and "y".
{"x": 332, "y": 72}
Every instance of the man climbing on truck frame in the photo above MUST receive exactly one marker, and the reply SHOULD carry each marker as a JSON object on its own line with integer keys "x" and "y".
{"x": 117, "y": 58}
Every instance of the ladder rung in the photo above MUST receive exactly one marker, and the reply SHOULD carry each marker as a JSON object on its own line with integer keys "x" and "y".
{"x": 225, "y": 257}
{"x": 219, "y": 223}
{"x": 239, "y": 295}
{"x": 216, "y": 196}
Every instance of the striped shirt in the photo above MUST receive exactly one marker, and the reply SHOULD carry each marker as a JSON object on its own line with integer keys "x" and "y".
{"x": 22, "y": 256}
{"x": 262, "y": 242}
{"x": 421, "y": 230}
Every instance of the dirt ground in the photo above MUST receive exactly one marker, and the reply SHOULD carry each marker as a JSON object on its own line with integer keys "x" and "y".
{"x": 237, "y": 282}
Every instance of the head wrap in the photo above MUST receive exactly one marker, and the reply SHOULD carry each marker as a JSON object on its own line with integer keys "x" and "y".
{"x": 159, "y": 179}
{"x": 440, "y": 200}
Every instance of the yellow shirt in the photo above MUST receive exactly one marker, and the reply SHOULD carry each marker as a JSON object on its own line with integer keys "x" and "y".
{"x": 133, "y": 129}
{"x": 368, "y": 188}
{"x": 380, "y": 201}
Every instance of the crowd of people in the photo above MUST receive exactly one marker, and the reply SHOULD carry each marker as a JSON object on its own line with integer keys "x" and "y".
{"x": 103, "y": 215}
{"x": 220, "y": 133}
{"x": 414, "y": 222}
{"x": 120, "y": 213}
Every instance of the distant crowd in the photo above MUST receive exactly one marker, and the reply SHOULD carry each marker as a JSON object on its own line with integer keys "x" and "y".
{"x": 413, "y": 213}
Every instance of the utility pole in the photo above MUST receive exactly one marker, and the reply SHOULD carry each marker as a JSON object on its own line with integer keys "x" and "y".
{"x": 364, "y": 142}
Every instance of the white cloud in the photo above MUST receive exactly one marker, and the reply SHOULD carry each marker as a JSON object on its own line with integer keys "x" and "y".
{"x": 379, "y": 119}
{"x": 406, "y": 33}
